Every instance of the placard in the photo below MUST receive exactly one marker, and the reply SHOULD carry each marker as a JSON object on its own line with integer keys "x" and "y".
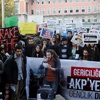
{"x": 46, "y": 33}
{"x": 27, "y": 28}
{"x": 9, "y": 36}
{"x": 90, "y": 38}
{"x": 77, "y": 39}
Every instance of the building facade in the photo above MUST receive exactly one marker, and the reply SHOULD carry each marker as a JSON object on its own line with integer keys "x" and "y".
{"x": 61, "y": 10}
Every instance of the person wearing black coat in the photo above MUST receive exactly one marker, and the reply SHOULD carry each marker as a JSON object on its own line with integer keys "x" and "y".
{"x": 3, "y": 57}
{"x": 1, "y": 72}
{"x": 29, "y": 47}
{"x": 15, "y": 73}
{"x": 64, "y": 49}
{"x": 37, "y": 51}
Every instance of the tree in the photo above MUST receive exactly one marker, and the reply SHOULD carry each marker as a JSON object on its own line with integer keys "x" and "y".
{"x": 9, "y": 9}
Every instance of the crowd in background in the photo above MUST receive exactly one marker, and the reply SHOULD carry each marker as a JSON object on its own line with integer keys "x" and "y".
{"x": 36, "y": 46}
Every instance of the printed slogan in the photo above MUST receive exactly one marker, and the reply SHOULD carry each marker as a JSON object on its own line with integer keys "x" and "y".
{"x": 9, "y": 36}
{"x": 84, "y": 83}
{"x": 80, "y": 81}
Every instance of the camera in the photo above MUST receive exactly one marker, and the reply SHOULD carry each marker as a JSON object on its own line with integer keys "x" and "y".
{"x": 45, "y": 93}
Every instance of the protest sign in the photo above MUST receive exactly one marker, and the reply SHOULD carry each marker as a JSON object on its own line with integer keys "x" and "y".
{"x": 9, "y": 36}
{"x": 51, "y": 23}
{"x": 27, "y": 28}
{"x": 58, "y": 29}
{"x": 46, "y": 33}
{"x": 11, "y": 21}
{"x": 78, "y": 23}
{"x": 94, "y": 31}
{"x": 80, "y": 81}
{"x": 77, "y": 39}
{"x": 90, "y": 38}
{"x": 93, "y": 27}
{"x": 80, "y": 30}
{"x": 42, "y": 26}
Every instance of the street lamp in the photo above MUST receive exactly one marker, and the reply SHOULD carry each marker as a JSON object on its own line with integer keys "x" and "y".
{"x": 3, "y": 14}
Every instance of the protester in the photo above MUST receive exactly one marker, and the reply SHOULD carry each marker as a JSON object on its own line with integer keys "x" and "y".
{"x": 94, "y": 52}
{"x": 52, "y": 69}
{"x": 37, "y": 51}
{"x": 64, "y": 49}
{"x": 58, "y": 38}
{"x": 1, "y": 72}
{"x": 29, "y": 47}
{"x": 15, "y": 73}
{"x": 70, "y": 35}
{"x": 45, "y": 46}
{"x": 86, "y": 55}
{"x": 3, "y": 56}
{"x": 53, "y": 44}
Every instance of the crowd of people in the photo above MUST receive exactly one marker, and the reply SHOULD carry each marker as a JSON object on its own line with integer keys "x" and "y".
{"x": 13, "y": 70}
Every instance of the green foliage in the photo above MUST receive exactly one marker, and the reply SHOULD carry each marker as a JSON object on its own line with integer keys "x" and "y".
{"x": 9, "y": 9}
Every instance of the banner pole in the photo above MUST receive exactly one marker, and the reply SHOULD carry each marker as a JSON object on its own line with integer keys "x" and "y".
{"x": 3, "y": 14}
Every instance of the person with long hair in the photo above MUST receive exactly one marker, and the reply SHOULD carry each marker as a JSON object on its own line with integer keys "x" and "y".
{"x": 37, "y": 51}
{"x": 52, "y": 67}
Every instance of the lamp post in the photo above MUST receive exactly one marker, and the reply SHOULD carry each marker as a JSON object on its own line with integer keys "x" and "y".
{"x": 3, "y": 14}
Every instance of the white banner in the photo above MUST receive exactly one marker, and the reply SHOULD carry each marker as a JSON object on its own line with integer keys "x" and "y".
{"x": 81, "y": 78}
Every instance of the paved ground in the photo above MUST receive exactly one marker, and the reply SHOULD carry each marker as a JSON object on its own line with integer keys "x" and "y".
{"x": 58, "y": 97}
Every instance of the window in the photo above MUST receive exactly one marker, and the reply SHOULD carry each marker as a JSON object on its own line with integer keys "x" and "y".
{"x": 89, "y": 20}
{"x": 65, "y": 1}
{"x": 83, "y": 20}
{"x": 48, "y": 11}
{"x": 83, "y": 9}
{"x": 89, "y": 9}
{"x": 95, "y": 8}
{"x": 65, "y": 10}
{"x": 37, "y": 12}
{"x": 77, "y": 0}
{"x": 95, "y": 20}
{"x": 59, "y": 10}
{"x": 32, "y": 1}
{"x": 27, "y": 8}
{"x": 42, "y": 1}
{"x": 59, "y": 1}
{"x": 54, "y": 1}
{"x": 17, "y": 7}
{"x": 54, "y": 10}
{"x": 43, "y": 11}
{"x": 83, "y": 0}
{"x": 71, "y": 0}
{"x": 77, "y": 9}
{"x": 32, "y": 12}
{"x": 37, "y": 1}
{"x": 71, "y": 10}
{"x": 48, "y": 1}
